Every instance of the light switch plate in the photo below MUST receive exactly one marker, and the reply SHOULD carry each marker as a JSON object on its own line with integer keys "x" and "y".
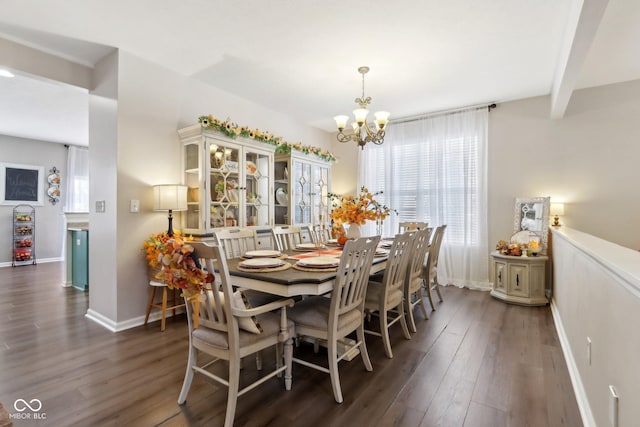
{"x": 134, "y": 206}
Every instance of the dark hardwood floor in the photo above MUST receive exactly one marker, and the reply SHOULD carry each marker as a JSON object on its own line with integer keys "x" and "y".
{"x": 476, "y": 362}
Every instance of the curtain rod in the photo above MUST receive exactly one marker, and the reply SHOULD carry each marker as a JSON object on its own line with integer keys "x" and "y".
{"x": 442, "y": 113}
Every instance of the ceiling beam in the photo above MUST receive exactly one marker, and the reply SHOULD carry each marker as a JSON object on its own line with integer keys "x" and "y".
{"x": 582, "y": 27}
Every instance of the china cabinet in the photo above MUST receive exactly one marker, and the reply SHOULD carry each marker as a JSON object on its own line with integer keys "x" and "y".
{"x": 230, "y": 181}
{"x": 302, "y": 183}
{"x": 24, "y": 252}
{"x": 519, "y": 280}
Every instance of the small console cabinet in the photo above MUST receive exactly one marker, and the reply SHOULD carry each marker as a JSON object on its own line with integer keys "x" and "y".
{"x": 519, "y": 280}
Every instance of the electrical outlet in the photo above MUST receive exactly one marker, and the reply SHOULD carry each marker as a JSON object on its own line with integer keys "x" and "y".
{"x": 588, "y": 351}
{"x": 613, "y": 406}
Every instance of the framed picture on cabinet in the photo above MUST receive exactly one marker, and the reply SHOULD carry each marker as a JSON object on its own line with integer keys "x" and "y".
{"x": 21, "y": 184}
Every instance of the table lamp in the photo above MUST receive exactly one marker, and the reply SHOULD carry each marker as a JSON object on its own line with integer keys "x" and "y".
{"x": 170, "y": 198}
{"x": 557, "y": 210}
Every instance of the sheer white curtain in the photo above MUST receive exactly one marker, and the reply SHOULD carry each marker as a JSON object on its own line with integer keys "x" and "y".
{"x": 434, "y": 169}
{"x": 77, "y": 193}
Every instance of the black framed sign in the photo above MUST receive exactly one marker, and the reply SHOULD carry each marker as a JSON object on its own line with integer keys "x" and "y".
{"x": 21, "y": 184}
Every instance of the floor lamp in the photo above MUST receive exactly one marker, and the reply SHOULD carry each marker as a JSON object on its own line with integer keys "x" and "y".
{"x": 170, "y": 198}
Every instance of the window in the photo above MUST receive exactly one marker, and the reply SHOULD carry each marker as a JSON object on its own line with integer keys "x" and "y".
{"x": 77, "y": 194}
{"x": 434, "y": 170}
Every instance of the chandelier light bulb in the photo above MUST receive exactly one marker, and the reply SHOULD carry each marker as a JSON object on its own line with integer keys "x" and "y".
{"x": 382, "y": 118}
{"x": 341, "y": 121}
{"x": 361, "y": 115}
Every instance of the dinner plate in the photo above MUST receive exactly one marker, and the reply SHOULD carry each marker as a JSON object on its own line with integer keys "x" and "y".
{"x": 308, "y": 246}
{"x": 382, "y": 252}
{"x": 319, "y": 262}
{"x": 261, "y": 263}
{"x": 266, "y": 253}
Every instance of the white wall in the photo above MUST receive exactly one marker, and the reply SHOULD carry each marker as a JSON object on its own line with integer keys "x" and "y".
{"x": 49, "y": 219}
{"x": 597, "y": 295}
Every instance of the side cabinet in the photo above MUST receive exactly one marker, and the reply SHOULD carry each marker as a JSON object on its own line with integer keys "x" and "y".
{"x": 519, "y": 280}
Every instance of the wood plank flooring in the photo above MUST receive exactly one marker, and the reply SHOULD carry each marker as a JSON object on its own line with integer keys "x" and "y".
{"x": 476, "y": 362}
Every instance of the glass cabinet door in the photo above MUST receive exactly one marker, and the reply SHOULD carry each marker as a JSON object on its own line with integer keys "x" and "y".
{"x": 302, "y": 193}
{"x": 320, "y": 195}
{"x": 224, "y": 184}
{"x": 193, "y": 216}
{"x": 256, "y": 190}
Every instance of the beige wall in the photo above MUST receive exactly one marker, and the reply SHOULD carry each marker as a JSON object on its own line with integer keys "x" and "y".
{"x": 588, "y": 159}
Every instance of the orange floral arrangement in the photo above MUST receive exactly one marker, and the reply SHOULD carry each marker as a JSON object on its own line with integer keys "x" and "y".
{"x": 358, "y": 210}
{"x": 178, "y": 266}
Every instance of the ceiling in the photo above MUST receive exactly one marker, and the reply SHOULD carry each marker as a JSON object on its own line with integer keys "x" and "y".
{"x": 301, "y": 58}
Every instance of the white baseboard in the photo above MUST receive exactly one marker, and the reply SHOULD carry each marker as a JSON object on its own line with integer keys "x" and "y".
{"x": 38, "y": 261}
{"x": 576, "y": 381}
{"x": 127, "y": 324}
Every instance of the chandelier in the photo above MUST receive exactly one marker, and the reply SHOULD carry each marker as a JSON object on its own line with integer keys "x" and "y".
{"x": 362, "y": 132}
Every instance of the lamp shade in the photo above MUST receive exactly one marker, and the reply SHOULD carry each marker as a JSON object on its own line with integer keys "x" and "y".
{"x": 170, "y": 197}
{"x": 557, "y": 209}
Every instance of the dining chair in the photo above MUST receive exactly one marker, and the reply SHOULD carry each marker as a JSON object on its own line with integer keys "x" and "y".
{"x": 286, "y": 237}
{"x": 386, "y": 298}
{"x": 413, "y": 280}
{"x": 330, "y": 319}
{"x": 320, "y": 233}
{"x": 430, "y": 271}
{"x": 237, "y": 241}
{"x": 219, "y": 332}
{"x": 411, "y": 225}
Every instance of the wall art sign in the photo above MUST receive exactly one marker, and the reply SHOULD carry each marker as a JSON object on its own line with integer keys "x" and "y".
{"x": 21, "y": 184}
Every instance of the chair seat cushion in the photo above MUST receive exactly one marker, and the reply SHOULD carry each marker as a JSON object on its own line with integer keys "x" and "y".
{"x": 270, "y": 323}
{"x": 313, "y": 312}
{"x": 374, "y": 289}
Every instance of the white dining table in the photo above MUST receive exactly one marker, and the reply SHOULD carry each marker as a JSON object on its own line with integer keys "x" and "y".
{"x": 290, "y": 282}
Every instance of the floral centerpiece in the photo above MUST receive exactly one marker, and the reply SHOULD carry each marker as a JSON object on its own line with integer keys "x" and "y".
{"x": 358, "y": 210}
{"x": 173, "y": 262}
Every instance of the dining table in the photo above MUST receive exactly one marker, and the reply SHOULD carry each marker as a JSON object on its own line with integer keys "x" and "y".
{"x": 292, "y": 282}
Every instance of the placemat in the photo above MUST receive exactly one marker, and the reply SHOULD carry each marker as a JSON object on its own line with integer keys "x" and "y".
{"x": 282, "y": 267}
{"x": 314, "y": 270}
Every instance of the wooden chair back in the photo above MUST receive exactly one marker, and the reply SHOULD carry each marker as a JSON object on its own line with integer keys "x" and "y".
{"x": 413, "y": 279}
{"x": 237, "y": 241}
{"x": 286, "y": 237}
{"x": 352, "y": 278}
{"x": 213, "y": 308}
{"x": 320, "y": 233}
{"x": 411, "y": 225}
{"x": 395, "y": 270}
